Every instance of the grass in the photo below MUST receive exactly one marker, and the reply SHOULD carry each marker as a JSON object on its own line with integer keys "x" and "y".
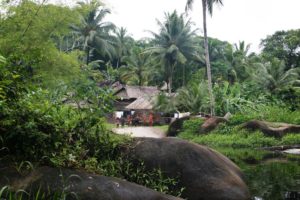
{"x": 240, "y": 140}
{"x": 234, "y": 140}
{"x": 110, "y": 126}
{"x": 233, "y": 136}
{"x": 164, "y": 128}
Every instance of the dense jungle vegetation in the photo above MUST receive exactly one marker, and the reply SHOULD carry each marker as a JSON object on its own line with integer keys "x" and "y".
{"x": 54, "y": 61}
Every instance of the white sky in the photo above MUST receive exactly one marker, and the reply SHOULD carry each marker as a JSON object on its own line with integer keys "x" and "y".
{"x": 237, "y": 20}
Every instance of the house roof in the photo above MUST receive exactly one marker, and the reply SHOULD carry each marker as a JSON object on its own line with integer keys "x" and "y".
{"x": 135, "y": 92}
{"x": 142, "y": 103}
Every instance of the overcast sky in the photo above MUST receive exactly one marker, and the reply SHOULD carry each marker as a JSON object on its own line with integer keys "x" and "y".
{"x": 237, "y": 20}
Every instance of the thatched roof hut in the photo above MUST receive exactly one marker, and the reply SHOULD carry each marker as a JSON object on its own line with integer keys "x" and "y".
{"x": 141, "y": 103}
{"x": 135, "y": 92}
{"x": 134, "y": 97}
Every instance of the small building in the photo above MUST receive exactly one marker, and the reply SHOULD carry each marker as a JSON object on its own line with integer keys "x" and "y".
{"x": 126, "y": 95}
{"x": 135, "y": 101}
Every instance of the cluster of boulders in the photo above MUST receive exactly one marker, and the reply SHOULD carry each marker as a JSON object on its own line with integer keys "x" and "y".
{"x": 212, "y": 122}
{"x": 204, "y": 173}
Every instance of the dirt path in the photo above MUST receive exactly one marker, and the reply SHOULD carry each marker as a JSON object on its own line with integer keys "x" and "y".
{"x": 142, "y": 131}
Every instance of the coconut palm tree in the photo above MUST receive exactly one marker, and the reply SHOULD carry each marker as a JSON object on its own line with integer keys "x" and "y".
{"x": 193, "y": 98}
{"x": 137, "y": 70}
{"x": 174, "y": 44}
{"x": 239, "y": 61}
{"x": 93, "y": 33}
{"x": 122, "y": 44}
{"x": 242, "y": 48}
{"x": 207, "y": 5}
{"x": 273, "y": 77}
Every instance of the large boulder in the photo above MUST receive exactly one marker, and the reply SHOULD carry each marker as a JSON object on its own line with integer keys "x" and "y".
{"x": 204, "y": 173}
{"x": 80, "y": 185}
{"x": 176, "y": 126}
{"x": 211, "y": 123}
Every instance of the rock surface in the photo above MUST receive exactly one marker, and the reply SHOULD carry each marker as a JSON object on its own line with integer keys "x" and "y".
{"x": 211, "y": 123}
{"x": 272, "y": 129}
{"x": 176, "y": 126}
{"x": 205, "y": 173}
{"x": 82, "y": 185}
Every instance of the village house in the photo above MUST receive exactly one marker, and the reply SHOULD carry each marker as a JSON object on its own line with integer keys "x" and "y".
{"x": 136, "y": 103}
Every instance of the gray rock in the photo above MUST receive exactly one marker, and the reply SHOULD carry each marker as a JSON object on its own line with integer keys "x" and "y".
{"x": 85, "y": 186}
{"x": 205, "y": 173}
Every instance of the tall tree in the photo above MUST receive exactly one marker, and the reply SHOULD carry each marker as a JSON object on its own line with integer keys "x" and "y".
{"x": 273, "y": 77}
{"x": 207, "y": 5}
{"x": 137, "y": 70}
{"x": 283, "y": 45}
{"x": 238, "y": 61}
{"x": 174, "y": 44}
{"x": 242, "y": 48}
{"x": 122, "y": 44}
{"x": 93, "y": 33}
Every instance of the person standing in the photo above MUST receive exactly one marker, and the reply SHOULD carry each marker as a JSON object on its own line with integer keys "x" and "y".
{"x": 151, "y": 119}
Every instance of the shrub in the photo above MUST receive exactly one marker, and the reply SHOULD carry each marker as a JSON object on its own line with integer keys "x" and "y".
{"x": 291, "y": 139}
{"x": 267, "y": 113}
{"x": 37, "y": 125}
{"x": 192, "y": 125}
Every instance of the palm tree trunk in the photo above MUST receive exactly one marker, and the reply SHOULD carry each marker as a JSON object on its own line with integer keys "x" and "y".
{"x": 140, "y": 78}
{"x": 183, "y": 75}
{"x": 170, "y": 84}
{"x": 211, "y": 96}
{"x": 118, "y": 60}
{"x": 87, "y": 55}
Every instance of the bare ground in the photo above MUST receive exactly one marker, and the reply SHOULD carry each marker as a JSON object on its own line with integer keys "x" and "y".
{"x": 142, "y": 131}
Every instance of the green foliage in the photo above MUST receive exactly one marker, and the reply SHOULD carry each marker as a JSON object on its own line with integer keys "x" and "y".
{"x": 9, "y": 83}
{"x": 137, "y": 70}
{"x": 231, "y": 135}
{"x": 2, "y": 59}
{"x": 29, "y": 39}
{"x": 240, "y": 139}
{"x": 283, "y": 45}
{"x": 36, "y": 125}
{"x": 291, "y": 139}
{"x": 164, "y": 103}
{"x": 154, "y": 179}
{"x": 229, "y": 98}
{"x": 193, "y": 98}
{"x": 29, "y": 44}
{"x": 138, "y": 173}
{"x": 52, "y": 111}
{"x": 268, "y": 113}
{"x": 192, "y": 125}
{"x": 173, "y": 45}
{"x": 273, "y": 76}
{"x": 92, "y": 33}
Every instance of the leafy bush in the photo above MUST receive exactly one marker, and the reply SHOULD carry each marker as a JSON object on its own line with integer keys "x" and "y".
{"x": 229, "y": 98}
{"x": 154, "y": 179}
{"x": 192, "y": 125}
{"x": 291, "y": 139}
{"x": 36, "y": 125}
{"x": 235, "y": 140}
{"x": 267, "y": 113}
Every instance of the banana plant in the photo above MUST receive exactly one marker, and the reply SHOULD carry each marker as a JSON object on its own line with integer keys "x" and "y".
{"x": 2, "y": 59}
